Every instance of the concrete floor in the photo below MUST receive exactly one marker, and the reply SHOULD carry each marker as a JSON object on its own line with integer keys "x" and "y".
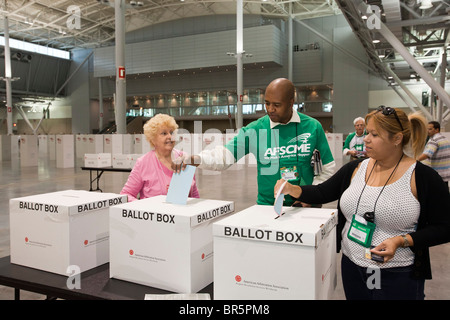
{"x": 236, "y": 185}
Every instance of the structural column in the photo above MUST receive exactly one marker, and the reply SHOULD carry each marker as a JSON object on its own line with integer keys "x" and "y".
{"x": 239, "y": 56}
{"x": 120, "y": 96}
{"x": 100, "y": 104}
{"x": 290, "y": 40}
{"x": 8, "y": 79}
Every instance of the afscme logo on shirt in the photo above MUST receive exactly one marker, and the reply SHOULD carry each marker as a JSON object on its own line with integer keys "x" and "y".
{"x": 302, "y": 137}
{"x": 292, "y": 149}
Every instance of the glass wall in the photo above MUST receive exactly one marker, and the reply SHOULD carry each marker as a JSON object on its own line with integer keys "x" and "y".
{"x": 221, "y": 102}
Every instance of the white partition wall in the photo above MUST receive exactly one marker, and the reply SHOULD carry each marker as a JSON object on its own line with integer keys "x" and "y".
{"x": 5, "y": 148}
{"x": 15, "y": 153}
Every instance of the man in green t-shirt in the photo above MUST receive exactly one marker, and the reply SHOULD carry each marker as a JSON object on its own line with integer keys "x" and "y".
{"x": 283, "y": 143}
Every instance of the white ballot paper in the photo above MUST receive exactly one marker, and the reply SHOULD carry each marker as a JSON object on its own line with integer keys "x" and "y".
{"x": 180, "y": 185}
{"x": 278, "y": 206}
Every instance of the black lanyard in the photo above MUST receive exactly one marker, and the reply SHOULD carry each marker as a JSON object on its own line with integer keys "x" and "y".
{"x": 370, "y": 216}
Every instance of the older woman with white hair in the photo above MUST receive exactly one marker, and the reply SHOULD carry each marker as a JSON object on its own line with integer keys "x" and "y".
{"x": 152, "y": 172}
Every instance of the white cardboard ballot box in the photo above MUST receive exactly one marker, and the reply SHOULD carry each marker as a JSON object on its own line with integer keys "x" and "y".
{"x": 107, "y": 143}
{"x": 141, "y": 145}
{"x": 122, "y": 161}
{"x": 29, "y": 153}
{"x": 65, "y": 156}
{"x": 56, "y": 230}
{"x": 51, "y": 147}
{"x": 121, "y": 143}
{"x": 43, "y": 145}
{"x": 164, "y": 245}
{"x": 259, "y": 257}
{"x": 94, "y": 143}
{"x": 97, "y": 160}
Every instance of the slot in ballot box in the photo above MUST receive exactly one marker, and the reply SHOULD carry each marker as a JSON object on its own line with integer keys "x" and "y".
{"x": 291, "y": 257}
{"x": 56, "y": 230}
{"x": 163, "y": 245}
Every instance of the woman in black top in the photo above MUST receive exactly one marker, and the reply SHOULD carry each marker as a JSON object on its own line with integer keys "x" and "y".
{"x": 426, "y": 217}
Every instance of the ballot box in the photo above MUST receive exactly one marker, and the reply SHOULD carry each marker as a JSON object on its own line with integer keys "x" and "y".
{"x": 133, "y": 158}
{"x": 43, "y": 145}
{"x": 65, "y": 153}
{"x": 121, "y": 143}
{"x": 61, "y": 231}
{"x": 141, "y": 145}
{"x": 81, "y": 143}
{"x": 29, "y": 153}
{"x": 336, "y": 144}
{"x": 165, "y": 245}
{"x": 183, "y": 142}
{"x": 209, "y": 142}
{"x": 107, "y": 143}
{"x": 94, "y": 143}
{"x": 122, "y": 161}
{"x": 97, "y": 160}
{"x": 260, "y": 255}
{"x": 51, "y": 147}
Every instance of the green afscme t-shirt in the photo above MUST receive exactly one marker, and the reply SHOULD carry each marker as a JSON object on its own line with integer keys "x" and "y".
{"x": 285, "y": 147}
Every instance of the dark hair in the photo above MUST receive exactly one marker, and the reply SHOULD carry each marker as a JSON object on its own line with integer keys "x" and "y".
{"x": 415, "y": 128}
{"x": 435, "y": 124}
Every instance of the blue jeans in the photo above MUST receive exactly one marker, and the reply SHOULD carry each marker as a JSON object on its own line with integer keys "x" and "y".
{"x": 381, "y": 284}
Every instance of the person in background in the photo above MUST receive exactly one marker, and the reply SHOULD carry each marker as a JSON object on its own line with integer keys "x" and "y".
{"x": 354, "y": 143}
{"x": 437, "y": 151}
{"x": 283, "y": 143}
{"x": 152, "y": 172}
{"x": 391, "y": 209}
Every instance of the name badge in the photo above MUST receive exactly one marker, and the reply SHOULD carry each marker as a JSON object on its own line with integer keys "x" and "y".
{"x": 361, "y": 231}
{"x": 289, "y": 173}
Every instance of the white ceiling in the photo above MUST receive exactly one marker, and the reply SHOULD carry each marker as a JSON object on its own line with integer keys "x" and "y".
{"x": 45, "y": 21}
{"x": 424, "y": 31}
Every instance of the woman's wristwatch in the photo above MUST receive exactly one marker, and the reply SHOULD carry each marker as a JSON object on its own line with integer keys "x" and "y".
{"x": 405, "y": 241}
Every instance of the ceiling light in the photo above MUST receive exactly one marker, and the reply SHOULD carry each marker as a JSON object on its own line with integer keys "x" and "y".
{"x": 426, "y": 4}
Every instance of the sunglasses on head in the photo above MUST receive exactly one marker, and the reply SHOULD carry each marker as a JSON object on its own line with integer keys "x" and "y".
{"x": 388, "y": 111}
